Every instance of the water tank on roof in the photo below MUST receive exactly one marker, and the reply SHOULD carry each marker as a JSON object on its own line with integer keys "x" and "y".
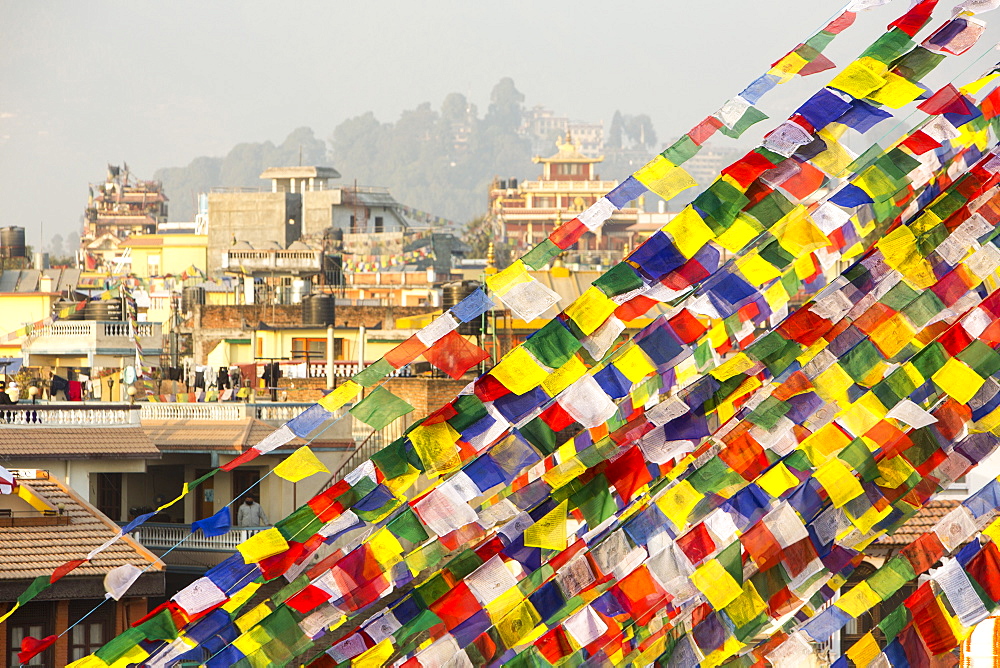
{"x": 12, "y": 242}
{"x": 503, "y": 185}
{"x": 319, "y": 309}
{"x": 109, "y": 310}
{"x": 453, "y": 293}
{"x": 73, "y": 314}
{"x": 191, "y": 296}
{"x": 513, "y": 184}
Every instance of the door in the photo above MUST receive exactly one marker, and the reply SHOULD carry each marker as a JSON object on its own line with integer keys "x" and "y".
{"x": 205, "y": 506}
{"x": 245, "y": 483}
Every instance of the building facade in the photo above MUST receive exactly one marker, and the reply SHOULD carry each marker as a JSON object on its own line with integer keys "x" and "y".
{"x": 525, "y": 212}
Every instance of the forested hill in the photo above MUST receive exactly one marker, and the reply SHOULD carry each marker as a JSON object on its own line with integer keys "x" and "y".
{"x": 438, "y": 160}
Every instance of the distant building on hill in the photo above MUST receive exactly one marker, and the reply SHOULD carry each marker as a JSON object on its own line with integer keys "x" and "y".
{"x": 525, "y": 212}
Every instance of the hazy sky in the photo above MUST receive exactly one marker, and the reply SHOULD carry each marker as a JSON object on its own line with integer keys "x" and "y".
{"x": 83, "y": 84}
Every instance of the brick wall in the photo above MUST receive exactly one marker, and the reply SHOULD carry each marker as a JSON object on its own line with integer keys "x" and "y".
{"x": 426, "y": 395}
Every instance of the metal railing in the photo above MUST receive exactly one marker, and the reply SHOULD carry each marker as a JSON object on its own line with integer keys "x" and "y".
{"x": 165, "y": 536}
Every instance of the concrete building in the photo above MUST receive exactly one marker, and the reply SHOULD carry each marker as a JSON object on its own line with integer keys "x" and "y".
{"x": 300, "y": 204}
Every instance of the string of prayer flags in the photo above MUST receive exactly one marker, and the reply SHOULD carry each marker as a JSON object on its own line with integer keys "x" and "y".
{"x": 574, "y": 527}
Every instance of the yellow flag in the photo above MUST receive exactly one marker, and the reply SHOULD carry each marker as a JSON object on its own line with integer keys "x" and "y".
{"x": 518, "y": 623}
{"x": 300, "y": 465}
{"x": 374, "y": 657}
{"x": 503, "y": 281}
{"x": 678, "y": 502}
{"x": 746, "y": 606}
{"x": 777, "y": 480}
{"x": 839, "y": 482}
{"x": 564, "y": 376}
{"x": 90, "y": 661}
{"x": 240, "y": 597}
{"x": 634, "y": 364}
{"x": 715, "y": 582}
{"x": 248, "y": 620}
{"x": 262, "y": 545}
{"x": 958, "y": 380}
{"x": 250, "y": 643}
{"x": 435, "y": 444}
{"x": 184, "y": 491}
{"x": 688, "y": 232}
{"x": 132, "y": 657}
{"x": 590, "y": 310}
{"x": 341, "y": 396}
{"x": 519, "y": 372}
{"x": 549, "y": 531}
{"x": 859, "y": 600}
{"x": 664, "y": 178}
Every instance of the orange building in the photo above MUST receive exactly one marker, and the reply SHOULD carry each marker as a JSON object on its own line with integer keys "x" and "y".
{"x": 526, "y": 212}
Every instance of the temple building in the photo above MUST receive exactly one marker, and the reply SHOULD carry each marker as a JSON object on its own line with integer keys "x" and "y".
{"x": 526, "y": 212}
{"x": 121, "y": 208}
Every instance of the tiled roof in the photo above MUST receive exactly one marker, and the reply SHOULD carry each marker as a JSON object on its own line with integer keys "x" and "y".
{"x": 224, "y": 435}
{"x": 218, "y": 435}
{"x": 76, "y": 442}
{"x": 31, "y": 551}
{"x": 920, "y": 523}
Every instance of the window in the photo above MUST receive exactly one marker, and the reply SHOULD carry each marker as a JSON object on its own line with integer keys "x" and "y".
{"x": 315, "y": 349}
{"x": 93, "y": 630}
{"x": 379, "y": 224}
{"x": 108, "y": 494}
{"x": 36, "y": 620}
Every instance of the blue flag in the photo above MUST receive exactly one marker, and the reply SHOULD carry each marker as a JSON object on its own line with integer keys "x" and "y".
{"x": 216, "y": 525}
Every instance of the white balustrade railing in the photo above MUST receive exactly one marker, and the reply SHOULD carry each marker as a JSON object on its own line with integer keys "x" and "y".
{"x": 571, "y": 186}
{"x": 51, "y": 415}
{"x": 92, "y": 328}
{"x": 231, "y": 411}
{"x": 277, "y": 412}
{"x": 193, "y": 411}
{"x": 166, "y": 536}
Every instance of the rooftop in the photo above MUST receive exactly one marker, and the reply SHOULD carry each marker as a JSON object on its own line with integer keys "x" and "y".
{"x": 73, "y": 430}
{"x": 300, "y": 173}
{"x": 919, "y": 524}
{"x": 30, "y": 551}
{"x": 234, "y": 436}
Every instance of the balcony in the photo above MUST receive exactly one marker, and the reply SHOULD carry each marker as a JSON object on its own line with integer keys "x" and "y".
{"x": 74, "y": 414}
{"x": 277, "y": 413}
{"x": 178, "y": 536}
{"x": 92, "y": 343}
{"x": 568, "y": 186}
{"x": 273, "y": 261}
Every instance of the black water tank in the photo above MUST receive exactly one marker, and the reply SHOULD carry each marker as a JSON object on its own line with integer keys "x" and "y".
{"x": 319, "y": 309}
{"x": 61, "y": 304}
{"x": 453, "y": 293}
{"x": 190, "y": 297}
{"x": 109, "y": 310}
{"x": 12, "y": 242}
